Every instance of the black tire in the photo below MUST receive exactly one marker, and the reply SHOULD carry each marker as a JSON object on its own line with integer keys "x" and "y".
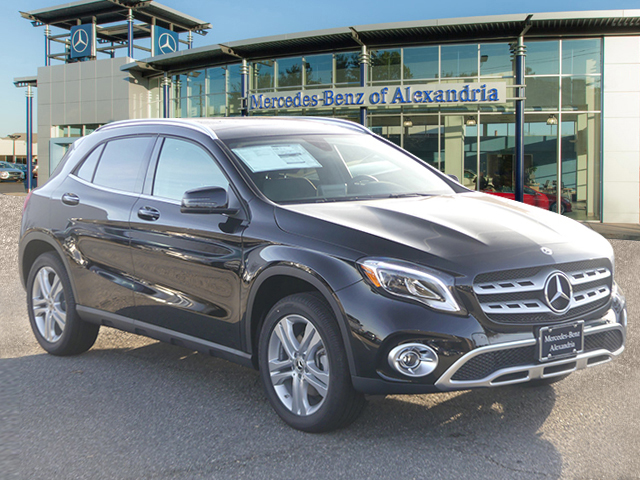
{"x": 541, "y": 382}
{"x": 325, "y": 409}
{"x": 554, "y": 208}
{"x": 70, "y": 337}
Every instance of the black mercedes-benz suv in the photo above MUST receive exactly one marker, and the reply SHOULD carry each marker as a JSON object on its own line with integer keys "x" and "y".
{"x": 317, "y": 252}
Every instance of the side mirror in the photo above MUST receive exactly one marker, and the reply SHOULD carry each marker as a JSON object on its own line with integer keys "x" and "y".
{"x": 207, "y": 200}
{"x": 454, "y": 177}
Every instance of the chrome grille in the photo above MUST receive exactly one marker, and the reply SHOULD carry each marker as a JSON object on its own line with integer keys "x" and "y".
{"x": 517, "y": 296}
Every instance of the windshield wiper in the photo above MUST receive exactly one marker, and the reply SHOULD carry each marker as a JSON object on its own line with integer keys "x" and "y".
{"x": 403, "y": 195}
{"x": 356, "y": 198}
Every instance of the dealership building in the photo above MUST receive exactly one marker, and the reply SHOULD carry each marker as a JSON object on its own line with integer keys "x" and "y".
{"x": 470, "y": 96}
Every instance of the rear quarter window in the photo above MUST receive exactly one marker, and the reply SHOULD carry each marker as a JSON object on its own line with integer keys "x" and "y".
{"x": 122, "y": 163}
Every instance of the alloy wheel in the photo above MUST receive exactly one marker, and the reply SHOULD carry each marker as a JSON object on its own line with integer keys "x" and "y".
{"x": 49, "y": 304}
{"x": 298, "y": 365}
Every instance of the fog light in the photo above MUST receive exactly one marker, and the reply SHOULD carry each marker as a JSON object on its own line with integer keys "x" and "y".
{"x": 413, "y": 359}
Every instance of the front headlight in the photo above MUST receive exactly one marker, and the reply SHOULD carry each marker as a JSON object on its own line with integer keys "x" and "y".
{"x": 425, "y": 285}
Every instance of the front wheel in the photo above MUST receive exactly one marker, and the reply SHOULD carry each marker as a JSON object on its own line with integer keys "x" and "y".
{"x": 554, "y": 208}
{"x": 52, "y": 309}
{"x": 304, "y": 368}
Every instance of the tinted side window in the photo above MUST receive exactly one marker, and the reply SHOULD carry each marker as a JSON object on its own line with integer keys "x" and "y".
{"x": 184, "y": 166}
{"x": 89, "y": 165}
{"x": 121, "y": 163}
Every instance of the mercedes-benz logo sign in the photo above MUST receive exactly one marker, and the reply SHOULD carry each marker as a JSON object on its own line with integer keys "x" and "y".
{"x": 167, "y": 44}
{"x": 558, "y": 292}
{"x": 80, "y": 40}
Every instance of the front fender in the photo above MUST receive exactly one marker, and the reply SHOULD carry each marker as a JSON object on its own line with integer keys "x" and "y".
{"x": 312, "y": 267}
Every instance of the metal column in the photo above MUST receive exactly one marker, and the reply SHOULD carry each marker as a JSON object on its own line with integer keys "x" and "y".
{"x": 130, "y": 33}
{"x": 29, "y": 138}
{"x": 364, "y": 70}
{"x": 47, "y": 46}
{"x": 166, "y": 92}
{"x": 244, "y": 88}
{"x": 519, "y": 53}
{"x": 190, "y": 39}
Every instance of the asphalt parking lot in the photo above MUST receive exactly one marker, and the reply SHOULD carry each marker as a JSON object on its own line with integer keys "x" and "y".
{"x": 133, "y": 408}
{"x": 11, "y": 187}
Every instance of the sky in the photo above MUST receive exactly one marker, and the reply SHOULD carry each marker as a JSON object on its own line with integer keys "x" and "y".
{"x": 23, "y": 45}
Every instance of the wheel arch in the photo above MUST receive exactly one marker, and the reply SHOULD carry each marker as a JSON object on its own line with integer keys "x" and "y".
{"x": 34, "y": 244}
{"x": 287, "y": 279}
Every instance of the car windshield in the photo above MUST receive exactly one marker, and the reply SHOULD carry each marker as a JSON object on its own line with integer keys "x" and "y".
{"x": 323, "y": 168}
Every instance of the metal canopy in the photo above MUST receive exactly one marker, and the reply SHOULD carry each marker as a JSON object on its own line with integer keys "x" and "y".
{"x": 457, "y": 30}
{"x": 25, "y": 81}
{"x": 67, "y": 15}
{"x": 118, "y": 33}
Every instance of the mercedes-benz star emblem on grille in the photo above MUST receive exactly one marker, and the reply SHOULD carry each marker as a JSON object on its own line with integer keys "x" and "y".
{"x": 80, "y": 40}
{"x": 558, "y": 292}
{"x": 167, "y": 44}
{"x": 546, "y": 251}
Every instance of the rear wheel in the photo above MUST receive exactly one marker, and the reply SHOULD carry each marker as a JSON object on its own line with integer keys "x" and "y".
{"x": 304, "y": 368}
{"x": 52, "y": 309}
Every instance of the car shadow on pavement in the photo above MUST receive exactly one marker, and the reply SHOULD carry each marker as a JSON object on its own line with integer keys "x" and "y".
{"x": 498, "y": 426}
{"x": 147, "y": 406}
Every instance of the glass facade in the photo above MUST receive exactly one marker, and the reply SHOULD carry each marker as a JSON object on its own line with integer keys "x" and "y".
{"x": 475, "y": 142}
{"x": 211, "y": 92}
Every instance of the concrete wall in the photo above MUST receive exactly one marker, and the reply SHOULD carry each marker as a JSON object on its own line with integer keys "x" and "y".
{"x": 621, "y": 130}
{"x": 84, "y": 93}
{"x": 6, "y": 148}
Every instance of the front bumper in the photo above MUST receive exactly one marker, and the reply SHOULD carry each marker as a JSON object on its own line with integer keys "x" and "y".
{"x": 512, "y": 362}
{"x": 503, "y": 359}
{"x": 11, "y": 176}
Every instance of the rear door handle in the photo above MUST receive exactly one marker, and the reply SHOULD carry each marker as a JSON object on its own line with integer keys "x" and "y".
{"x": 149, "y": 213}
{"x": 70, "y": 199}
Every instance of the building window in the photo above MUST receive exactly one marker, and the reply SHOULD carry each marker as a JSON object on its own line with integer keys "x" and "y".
{"x": 542, "y": 58}
{"x": 234, "y": 90}
{"x": 581, "y": 57}
{"x": 496, "y": 60}
{"x": 459, "y": 61}
{"x": 318, "y": 70}
{"x": 386, "y": 65}
{"x": 422, "y": 63}
{"x": 290, "y": 73}
{"x": 347, "y": 68}
{"x": 263, "y": 75}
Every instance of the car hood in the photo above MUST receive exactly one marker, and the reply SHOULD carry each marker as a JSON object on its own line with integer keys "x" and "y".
{"x": 462, "y": 233}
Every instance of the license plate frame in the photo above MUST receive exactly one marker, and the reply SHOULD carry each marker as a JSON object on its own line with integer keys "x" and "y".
{"x": 561, "y": 341}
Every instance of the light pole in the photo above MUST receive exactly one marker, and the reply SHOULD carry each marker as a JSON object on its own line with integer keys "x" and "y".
{"x": 30, "y": 83}
{"x": 14, "y": 137}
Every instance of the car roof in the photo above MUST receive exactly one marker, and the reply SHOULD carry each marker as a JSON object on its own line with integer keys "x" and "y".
{"x": 227, "y": 128}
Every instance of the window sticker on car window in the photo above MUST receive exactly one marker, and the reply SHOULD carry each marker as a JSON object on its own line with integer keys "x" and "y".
{"x": 265, "y": 158}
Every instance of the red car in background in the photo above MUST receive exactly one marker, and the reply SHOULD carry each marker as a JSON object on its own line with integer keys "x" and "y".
{"x": 565, "y": 206}
{"x": 531, "y": 197}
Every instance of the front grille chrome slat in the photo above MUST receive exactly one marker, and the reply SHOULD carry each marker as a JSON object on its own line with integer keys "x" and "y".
{"x": 578, "y": 278}
{"x": 517, "y": 296}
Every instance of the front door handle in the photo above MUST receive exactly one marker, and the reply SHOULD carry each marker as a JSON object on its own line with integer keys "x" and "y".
{"x": 70, "y": 199}
{"x": 149, "y": 213}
